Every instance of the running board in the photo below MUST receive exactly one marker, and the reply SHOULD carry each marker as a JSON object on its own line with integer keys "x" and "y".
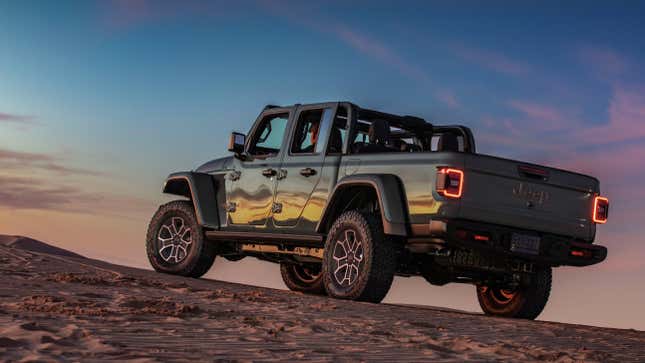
{"x": 267, "y": 238}
{"x": 297, "y": 251}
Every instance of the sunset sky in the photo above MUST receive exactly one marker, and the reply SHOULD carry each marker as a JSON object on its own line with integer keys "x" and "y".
{"x": 99, "y": 101}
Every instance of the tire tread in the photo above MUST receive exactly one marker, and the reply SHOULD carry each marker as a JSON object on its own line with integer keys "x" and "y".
{"x": 381, "y": 270}
{"x": 196, "y": 267}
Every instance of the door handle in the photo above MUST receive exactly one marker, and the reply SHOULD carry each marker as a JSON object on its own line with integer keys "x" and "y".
{"x": 307, "y": 172}
{"x": 269, "y": 172}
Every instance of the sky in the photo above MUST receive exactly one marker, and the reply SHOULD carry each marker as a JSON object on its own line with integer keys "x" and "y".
{"x": 100, "y": 101}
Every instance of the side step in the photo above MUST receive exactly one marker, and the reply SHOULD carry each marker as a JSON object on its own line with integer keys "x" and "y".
{"x": 297, "y": 251}
{"x": 306, "y": 240}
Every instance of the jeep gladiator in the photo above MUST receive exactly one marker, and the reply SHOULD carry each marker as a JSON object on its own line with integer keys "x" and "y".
{"x": 344, "y": 198}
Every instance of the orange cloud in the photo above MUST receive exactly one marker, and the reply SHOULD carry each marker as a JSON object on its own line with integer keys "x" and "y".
{"x": 46, "y": 194}
{"x": 10, "y": 159}
{"x": 11, "y": 118}
{"x": 38, "y": 181}
{"x": 31, "y": 193}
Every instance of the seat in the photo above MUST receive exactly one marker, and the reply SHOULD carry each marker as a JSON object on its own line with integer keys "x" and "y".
{"x": 378, "y": 134}
{"x": 448, "y": 142}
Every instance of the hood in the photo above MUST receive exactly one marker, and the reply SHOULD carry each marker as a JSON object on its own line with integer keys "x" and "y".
{"x": 215, "y": 165}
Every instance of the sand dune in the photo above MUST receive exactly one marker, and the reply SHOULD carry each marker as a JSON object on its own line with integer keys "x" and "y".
{"x": 30, "y": 244}
{"x": 56, "y": 305}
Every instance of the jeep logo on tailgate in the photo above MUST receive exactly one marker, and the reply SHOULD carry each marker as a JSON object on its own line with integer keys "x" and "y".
{"x": 527, "y": 193}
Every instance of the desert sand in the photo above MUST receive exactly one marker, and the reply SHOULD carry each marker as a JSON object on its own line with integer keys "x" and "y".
{"x": 56, "y": 305}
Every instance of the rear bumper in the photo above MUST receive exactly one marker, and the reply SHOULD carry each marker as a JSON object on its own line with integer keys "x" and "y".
{"x": 553, "y": 250}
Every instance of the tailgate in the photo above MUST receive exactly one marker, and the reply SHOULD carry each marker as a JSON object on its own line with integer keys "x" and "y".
{"x": 528, "y": 196}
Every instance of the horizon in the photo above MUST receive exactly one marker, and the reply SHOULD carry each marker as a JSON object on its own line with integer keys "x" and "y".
{"x": 100, "y": 101}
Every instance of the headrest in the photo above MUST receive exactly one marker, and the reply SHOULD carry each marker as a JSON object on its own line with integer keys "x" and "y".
{"x": 448, "y": 142}
{"x": 379, "y": 132}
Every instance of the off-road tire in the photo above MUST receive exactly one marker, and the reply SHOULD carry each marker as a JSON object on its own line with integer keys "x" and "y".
{"x": 201, "y": 253}
{"x": 528, "y": 300}
{"x": 378, "y": 263}
{"x": 296, "y": 279}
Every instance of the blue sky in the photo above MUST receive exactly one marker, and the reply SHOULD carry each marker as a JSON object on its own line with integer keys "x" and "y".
{"x": 122, "y": 79}
{"x": 99, "y": 101}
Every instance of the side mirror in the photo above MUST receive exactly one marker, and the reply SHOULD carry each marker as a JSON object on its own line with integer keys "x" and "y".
{"x": 236, "y": 143}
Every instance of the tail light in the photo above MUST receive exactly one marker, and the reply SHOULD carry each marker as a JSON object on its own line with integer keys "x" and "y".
{"x": 450, "y": 182}
{"x": 465, "y": 235}
{"x": 481, "y": 237}
{"x": 600, "y": 209}
{"x": 581, "y": 253}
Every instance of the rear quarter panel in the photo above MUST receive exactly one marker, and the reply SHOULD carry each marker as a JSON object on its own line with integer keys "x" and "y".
{"x": 417, "y": 173}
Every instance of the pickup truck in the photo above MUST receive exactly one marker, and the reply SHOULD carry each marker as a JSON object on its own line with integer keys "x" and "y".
{"x": 344, "y": 198}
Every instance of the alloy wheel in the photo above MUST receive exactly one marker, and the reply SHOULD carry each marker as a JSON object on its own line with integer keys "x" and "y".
{"x": 348, "y": 257}
{"x": 174, "y": 240}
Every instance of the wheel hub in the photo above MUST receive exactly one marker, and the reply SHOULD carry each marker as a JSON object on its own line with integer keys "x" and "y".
{"x": 174, "y": 240}
{"x": 499, "y": 295}
{"x": 306, "y": 274}
{"x": 348, "y": 255}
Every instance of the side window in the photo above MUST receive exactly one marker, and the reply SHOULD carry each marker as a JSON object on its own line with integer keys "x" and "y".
{"x": 360, "y": 135}
{"x": 311, "y": 131}
{"x": 267, "y": 138}
{"x": 305, "y": 138}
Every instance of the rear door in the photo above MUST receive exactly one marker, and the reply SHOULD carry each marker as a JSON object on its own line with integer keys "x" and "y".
{"x": 297, "y": 196}
{"x": 527, "y": 196}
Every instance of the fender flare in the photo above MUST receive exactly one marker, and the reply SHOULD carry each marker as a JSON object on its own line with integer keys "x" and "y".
{"x": 201, "y": 189}
{"x": 391, "y": 198}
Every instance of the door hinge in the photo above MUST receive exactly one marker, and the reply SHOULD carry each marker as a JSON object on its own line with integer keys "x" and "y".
{"x": 277, "y": 208}
{"x": 231, "y": 207}
{"x": 234, "y": 175}
{"x": 281, "y": 174}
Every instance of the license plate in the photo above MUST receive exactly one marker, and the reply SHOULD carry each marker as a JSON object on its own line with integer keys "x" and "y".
{"x": 525, "y": 243}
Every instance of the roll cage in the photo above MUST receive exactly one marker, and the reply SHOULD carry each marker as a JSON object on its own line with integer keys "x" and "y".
{"x": 403, "y": 127}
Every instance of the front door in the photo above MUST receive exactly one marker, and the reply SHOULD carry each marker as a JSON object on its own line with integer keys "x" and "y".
{"x": 297, "y": 196}
{"x": 250, "y": 198}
